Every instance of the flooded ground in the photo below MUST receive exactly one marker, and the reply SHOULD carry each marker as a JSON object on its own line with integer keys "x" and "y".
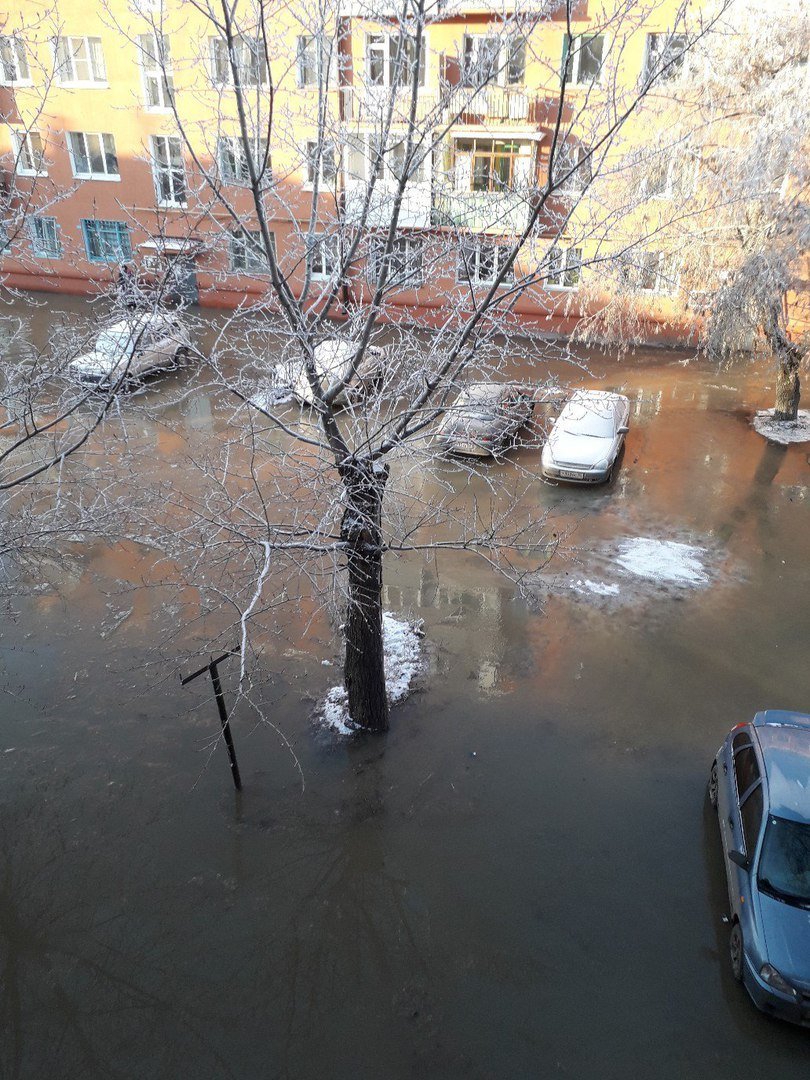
{"x": 521, "y": 879}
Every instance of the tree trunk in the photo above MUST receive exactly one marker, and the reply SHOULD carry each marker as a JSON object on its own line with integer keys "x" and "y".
{"x": 788, "y": 391}
{"x": 364, "y": 672}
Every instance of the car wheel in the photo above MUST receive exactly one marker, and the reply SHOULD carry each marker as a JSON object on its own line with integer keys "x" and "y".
{"x": 712, "y": 788}
{"x": 735, "y": 951}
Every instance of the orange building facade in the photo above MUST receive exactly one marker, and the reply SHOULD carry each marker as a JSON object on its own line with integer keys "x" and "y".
{"x": 96, "y": 172}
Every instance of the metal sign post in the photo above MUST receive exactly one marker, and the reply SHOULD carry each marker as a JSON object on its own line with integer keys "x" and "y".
{"x": 211, "y": 668}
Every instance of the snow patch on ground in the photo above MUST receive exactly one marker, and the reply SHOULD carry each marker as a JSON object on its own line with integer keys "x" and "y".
{"x": 268, "y": 398}
{"x": 783, "y": 431}
{"x": 598, "y": 588}
{"x": 402, "y": 647}
{"x": 663, "y": 561}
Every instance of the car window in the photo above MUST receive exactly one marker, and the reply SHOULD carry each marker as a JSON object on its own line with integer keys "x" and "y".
{"x": 751, "y": 814}
{"x": 742, "y": 738}
{"x": 746, "y": 769}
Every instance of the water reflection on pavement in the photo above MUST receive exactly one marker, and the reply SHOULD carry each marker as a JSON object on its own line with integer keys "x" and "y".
{"x": 521, "y": 879}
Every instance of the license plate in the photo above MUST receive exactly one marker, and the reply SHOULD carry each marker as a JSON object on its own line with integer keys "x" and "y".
{"x": 572, "y": 474}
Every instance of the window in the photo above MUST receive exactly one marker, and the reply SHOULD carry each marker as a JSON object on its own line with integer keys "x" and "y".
{"x": 249, "y": 58}
{"x": 564, "y": 268}
{"x": 106, "y": 241}
{"x": 321, "y": 162}
{"x": 156, "y": 71}
{"x": 582, "y": 59}
{"x": 571, "y": 171}
{"x": 390, "y": 60}
{"x": 488, "y": 60}
{"x": 494, "y": 163}
{"x": 29, "y": 154}
{"x": 653, "y": 272}
{"x": 324, "y": 257}
{"x": 480, "y": 262}
{"x": 247, "y": 251}
{"x": 665, "y": 56}
{"x": 168, "y": 171}
{"x": 233, "y": 159}
{"x": 13, "y": 61}
{"x": 404, "y": 260}
{"x": 45, "y": 237}
{"x": 751, "y": 814}
{"x": 92, "y": 156}
{"x": 670, "y": 171}
{"x": 396, "y": 162}
{"x": 746, "y": 770}
{"x": 309, "y": 61}
{"x": 80, "y": 60}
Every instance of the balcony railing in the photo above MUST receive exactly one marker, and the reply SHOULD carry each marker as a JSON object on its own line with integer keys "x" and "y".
{"x": 500, "y": 104}
{"x": 509, "y": 105}
{"x": 369, "y": 105}
{"x": 481, "y": 211}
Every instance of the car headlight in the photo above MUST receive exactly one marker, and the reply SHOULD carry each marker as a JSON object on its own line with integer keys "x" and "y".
{"x": 600, "y": 466}
{"x": 771, "y": 976}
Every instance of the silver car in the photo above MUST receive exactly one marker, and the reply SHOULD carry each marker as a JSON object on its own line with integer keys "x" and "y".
{"x": 586, "y": 438}
{"x": 760, "y": 787}
{"x": 132, "y": 348}
{"x": 484, "y": 418}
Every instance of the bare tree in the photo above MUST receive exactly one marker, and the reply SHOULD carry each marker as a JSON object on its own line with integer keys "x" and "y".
{"x": 747, "y": 263}
{"x": 330, "y": 174}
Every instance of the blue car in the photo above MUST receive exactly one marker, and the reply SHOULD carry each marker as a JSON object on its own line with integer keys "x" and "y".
{"x": 760, "y": 787}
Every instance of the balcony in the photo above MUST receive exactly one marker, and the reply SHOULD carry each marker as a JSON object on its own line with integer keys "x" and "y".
{"x": 500, "y": 212}
{"x": 500, "y": 105}
{"x": 369, "y": 105}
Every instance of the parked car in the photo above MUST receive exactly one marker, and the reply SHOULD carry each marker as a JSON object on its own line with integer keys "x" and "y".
{"x": 484, "y": 418}
{"x": 586, "y": 437}
{"x": 132, "y": 348}
{"x": 333, "y": 362}
{"x": 760, "y": 787}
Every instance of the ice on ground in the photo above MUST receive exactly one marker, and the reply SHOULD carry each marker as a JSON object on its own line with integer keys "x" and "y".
{"x": 598, "y": 588}
{"x": 783, "y": 431}
{"x": 402, "y": 649}
{"x": 663, "y": 560}
{"x": 268, "y": 398}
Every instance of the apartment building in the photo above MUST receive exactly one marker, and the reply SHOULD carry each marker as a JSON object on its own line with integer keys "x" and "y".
{"x": 120, "y": 123}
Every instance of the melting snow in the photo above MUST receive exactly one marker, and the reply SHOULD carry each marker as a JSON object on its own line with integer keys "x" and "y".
{"x": 663, "y": 560}
{"x": 783, "y": 431}
{"x": 402, "y": 645}
{"x": 599, "y": 588}
{"x": 266, "y": 399}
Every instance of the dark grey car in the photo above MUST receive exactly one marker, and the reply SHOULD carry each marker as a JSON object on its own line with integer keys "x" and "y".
{"x": 760, "y": 787}
{"x": 484, "y": 418}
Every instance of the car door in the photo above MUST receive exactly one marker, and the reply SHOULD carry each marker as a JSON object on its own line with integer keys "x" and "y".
{"x": 745, "y": 778}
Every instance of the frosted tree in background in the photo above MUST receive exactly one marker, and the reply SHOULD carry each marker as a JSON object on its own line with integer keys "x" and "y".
{"x": 747, "y": 264}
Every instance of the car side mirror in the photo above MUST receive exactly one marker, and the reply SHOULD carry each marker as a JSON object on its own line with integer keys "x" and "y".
{"x": 623, "y": 429}
{"x": 738, "y": 859}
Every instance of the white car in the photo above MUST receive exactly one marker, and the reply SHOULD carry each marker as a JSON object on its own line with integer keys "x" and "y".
{"x": 586, "y": 437}
{"x": 333, "y": 363}
{"x": 132, "y": 348}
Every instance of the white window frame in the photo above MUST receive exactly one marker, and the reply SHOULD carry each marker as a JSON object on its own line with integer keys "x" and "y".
{"x": 95, "y": 54}
{"x": 386, "y": 44}
{"x": 569, "y": 155}
{"x": 656, "y": 48}
{"x": 244, "y": 46}
{"x": 468, "y": 272}
{"x": 324, "y": 257}
{"x": 241, "y": 177}
{"x": 570, "y": 259}
{"x": 37, "y": 232}
{"x": 573, "y": 61}
{"x": 156, "y": 72}
{"x": 503, "y": 60}
{"x": 253, "y": 262}
{"x": 412, "y": 248}
{"x": 23, "y": 145}
{"x": 328, "y": 151}
{"x": 170, "y": 170}
{"x": 108, "y": 176}
{"x": 665, "y": 279}
{"x": 13, "y": 52}
{"x": 308, "y": 56}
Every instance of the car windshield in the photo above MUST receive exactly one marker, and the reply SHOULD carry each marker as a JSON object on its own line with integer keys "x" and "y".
{"x": 784, "y": 865}
{"x": 588, "y": 418}
{"x": 482, "y": 400}
{"x": 118, "y": 339}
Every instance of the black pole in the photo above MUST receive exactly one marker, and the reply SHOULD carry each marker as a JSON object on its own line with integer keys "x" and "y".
{"x": 223, "y": 712}
{"x": 226, "y": 726}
